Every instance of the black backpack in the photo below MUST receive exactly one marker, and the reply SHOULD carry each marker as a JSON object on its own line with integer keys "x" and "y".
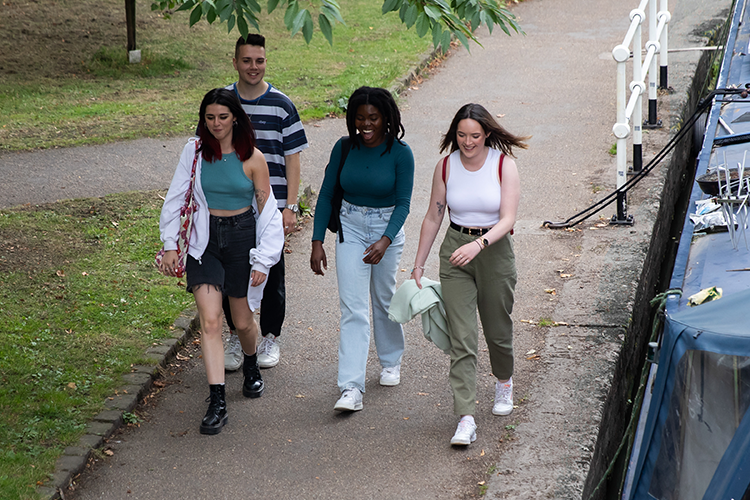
{"x": 334, "y": 222}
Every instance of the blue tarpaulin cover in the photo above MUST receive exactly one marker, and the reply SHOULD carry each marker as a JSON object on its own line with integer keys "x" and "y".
{"x": 696, "y": 442}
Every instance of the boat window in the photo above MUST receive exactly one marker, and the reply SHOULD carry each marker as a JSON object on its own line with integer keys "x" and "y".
{"x": 711, "y": 395}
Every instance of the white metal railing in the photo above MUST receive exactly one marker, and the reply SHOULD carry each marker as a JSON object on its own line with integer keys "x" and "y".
{"x": 630, "y": 108}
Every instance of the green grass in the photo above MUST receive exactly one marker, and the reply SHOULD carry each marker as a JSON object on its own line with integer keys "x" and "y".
{"x": 74, "y": 320}
{"x": 81, "y": 300}
{"x": 99, "y": 97}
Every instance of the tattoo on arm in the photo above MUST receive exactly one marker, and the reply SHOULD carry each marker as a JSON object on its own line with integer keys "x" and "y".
{"x": 440, "y": 208}
{"x": 261, "y": 196}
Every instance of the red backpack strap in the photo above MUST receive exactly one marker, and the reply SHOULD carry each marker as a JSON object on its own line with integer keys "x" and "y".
{"x": 445, "y": 162}
{"x": 500, "y": 175}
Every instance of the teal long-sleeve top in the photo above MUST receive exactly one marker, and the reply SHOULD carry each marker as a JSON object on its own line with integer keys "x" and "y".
{"x": 369, "y": 179}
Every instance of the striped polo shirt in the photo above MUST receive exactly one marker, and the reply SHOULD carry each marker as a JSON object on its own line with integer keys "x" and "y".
{"x": 278, "y": 132}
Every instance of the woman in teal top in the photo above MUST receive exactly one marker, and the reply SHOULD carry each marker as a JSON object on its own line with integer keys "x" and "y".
{"x": 377, "y": 179}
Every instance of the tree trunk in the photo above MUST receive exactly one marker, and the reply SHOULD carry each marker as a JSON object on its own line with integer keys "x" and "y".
{"x": 130, "y": 21}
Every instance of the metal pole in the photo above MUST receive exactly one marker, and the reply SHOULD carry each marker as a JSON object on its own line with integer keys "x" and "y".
{"x": 664, "y": 54}
{"x": 621, "y": 129}
{"x": 638, "y": 111}
{"x": 652, "y": 119}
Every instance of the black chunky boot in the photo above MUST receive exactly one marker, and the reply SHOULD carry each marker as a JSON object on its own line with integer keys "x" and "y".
{"x": 216, "y": 416}
{"x": 253, "y": 385}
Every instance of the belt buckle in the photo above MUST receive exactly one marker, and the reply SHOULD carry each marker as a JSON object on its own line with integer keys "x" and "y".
{"x": 474, "y": 231}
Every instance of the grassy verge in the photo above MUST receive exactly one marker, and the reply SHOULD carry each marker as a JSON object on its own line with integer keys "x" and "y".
{"x": 80, "y": 89}
{"x": 81, "y": 302}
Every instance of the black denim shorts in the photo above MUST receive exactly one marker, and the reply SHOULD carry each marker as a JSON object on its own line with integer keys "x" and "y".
{"x": 226, "y": 262}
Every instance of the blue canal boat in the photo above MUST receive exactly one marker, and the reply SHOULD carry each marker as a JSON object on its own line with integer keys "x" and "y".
{"x": 693, "y": 436}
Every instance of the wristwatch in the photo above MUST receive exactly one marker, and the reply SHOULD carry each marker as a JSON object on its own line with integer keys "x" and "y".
{"x": 293, "y": 207}
{"x": 485, "y": 242}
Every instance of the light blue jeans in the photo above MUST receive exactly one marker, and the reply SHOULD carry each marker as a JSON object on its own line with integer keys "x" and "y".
{"x": 363, "y": 226}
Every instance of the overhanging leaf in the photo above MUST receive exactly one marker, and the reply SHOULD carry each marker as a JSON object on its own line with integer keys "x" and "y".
{"x": 196, "y": 15}
{"x": 307, "y": 27}
{"x": 390, "y": 5}
{"x": 325, "y": 28}
{"x": 423, "y": 24}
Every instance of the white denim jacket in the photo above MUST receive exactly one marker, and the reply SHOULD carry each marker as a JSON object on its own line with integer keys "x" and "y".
{"x": 269, "y": 232}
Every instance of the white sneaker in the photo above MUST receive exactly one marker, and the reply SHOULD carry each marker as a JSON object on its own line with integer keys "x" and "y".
{"x": 350, "y": 400}
{"x": 233, "y": 355}
{"x": 268, "y": 351}
{"x": 390, "y": 376}
{"x": 503, "y": 398}
{"x": 466, "y": 433}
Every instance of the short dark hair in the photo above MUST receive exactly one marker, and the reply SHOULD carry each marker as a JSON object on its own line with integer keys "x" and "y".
{"x": 498, "y": 137}
{"x": 252, "y": 39}
{"x": 243, "y": 134}
{"x": 384, "y": 102}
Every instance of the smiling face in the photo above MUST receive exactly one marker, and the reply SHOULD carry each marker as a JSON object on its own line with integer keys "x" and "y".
{"x": 470, "y": 137}
{"x": 370, "y": 125}
{"x": 219, "y": 121}
{"x": 250, "y": 64}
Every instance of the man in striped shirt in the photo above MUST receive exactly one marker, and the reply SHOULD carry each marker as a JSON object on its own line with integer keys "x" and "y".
{"x": 281, "y": 138}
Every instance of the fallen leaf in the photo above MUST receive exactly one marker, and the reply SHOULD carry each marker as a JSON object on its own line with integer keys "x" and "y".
{"x": 565, "y": 275}
{"x": 72, "y": 385}
{"x": 299, "y": 396}
{"x": 481, "y": 455}
{"x": 532, "y": 351}
{"x": 85, "y": 273}
{"x": 406, "y": 418}
{"x": 182, "y": 357}
{"x": 481, "y": 483}
{"x": 534, "y": 357}
{"x": 423, "y": 393}
{"x": 550, "y": 291}
{"x": 109, "y": 453}
{"x": 60, "y": 273}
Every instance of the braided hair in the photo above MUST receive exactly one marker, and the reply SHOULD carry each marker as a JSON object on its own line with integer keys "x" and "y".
{"x": 384, "y": 102}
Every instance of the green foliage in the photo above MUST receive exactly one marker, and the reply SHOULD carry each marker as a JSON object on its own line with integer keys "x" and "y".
{"x": 91, "y": 96}
{"x": 74, "y": 321}
{"x": 130, "y": 418}
{"x": 110, "y": 62}
{"x": 443, "y": 19}
{"x": 546, "y": 322}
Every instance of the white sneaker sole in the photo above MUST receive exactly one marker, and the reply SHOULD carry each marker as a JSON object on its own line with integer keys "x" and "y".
{"x": 347, "y": 407}
{"x": 462, "y": 442}
{"x": 390, "y": 383}
{"x": 502, "y": 412}
{"x": 263, "y": 363}
{"x": 231, "y": 368}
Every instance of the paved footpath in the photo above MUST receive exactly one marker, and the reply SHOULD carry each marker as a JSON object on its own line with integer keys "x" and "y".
{"x": 556, "y": 84}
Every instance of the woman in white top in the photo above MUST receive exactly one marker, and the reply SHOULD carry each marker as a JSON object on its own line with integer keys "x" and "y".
{"x": 478, "y": 183}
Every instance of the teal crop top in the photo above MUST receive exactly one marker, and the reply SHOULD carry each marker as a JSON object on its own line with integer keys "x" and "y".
{"x": 225, "y": 184}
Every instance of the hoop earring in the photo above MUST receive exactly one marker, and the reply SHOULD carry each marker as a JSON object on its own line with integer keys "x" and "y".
{"x": 234, "y": 124}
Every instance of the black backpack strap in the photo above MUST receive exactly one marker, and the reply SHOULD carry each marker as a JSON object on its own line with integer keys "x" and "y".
{"x": 339, "y": 191}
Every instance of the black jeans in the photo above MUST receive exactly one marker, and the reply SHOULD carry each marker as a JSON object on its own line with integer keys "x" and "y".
{"x": 273, "y": 304}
